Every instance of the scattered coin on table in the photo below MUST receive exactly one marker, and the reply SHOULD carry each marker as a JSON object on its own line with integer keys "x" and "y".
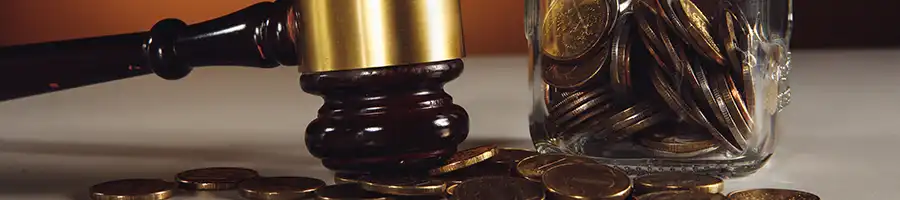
{"x": 132, "y": 189}
{"x": 213, "y": 178}
{"x": 465, "y": 158}
{"x": 279, "y": 188}
{"x": 478, "y": 173}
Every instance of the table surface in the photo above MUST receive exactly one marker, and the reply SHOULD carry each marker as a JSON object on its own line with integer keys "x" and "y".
{"x": 838, "y": 135}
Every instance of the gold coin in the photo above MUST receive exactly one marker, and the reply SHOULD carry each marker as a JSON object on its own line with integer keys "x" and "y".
{"x": 680, "y": 195}
{"x": 465, "y": 158}
{"x": 563, "y": 75}
{"x": 135, "y": 189}
{"x": 507, "y": 155}
{"x": 620, "y": 68}
{"x": 577, "y": 102}
{"x": 452, "y": 189}
{"x": 498, "y": 187}
{"x": 587, "y": 181}
{"x": 626, "y": 122}
{"x": 348, "y": 191}
{"x": 214, "y": 178}
{"x": 646, "y": 17}
{"x": 677, "y": 140}
{"x": 708, "y": 104}
{"x": 279, "y": 188}
{"x": 341, "y": 178}
{"x": 403, "y": 185}
{"x": 677, "y": 181}
{"x": 734, "y": 32}
{"x": 533, "y": 167}
{"x": 479, "y": 170}
{"x": 572, "y": 28}
{"x": 687, "y": 19}
{"x": 586, "y": 112}
{"x": 771, "y": 194}
{"x": 737, "y": 115}
{"x": 671, "y": 97}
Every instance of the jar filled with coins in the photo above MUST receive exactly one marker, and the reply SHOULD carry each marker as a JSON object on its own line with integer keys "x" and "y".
{"x": 659, "y": 85}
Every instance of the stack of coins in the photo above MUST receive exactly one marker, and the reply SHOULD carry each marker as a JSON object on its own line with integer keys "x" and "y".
{"x": 613, "y": 73}
{"x": 481, "y": 173}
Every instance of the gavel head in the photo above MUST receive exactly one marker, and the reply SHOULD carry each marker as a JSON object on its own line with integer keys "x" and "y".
{"x": 380, "y": 66}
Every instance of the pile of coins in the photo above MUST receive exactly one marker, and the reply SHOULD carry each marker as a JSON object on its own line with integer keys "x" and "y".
{"x": 612, "y": 72}
{"x": 481, "y": 173}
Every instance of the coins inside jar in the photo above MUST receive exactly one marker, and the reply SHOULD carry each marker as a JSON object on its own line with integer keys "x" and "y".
{"x": 572, "y": 28}
{"x": 665, "y": 63}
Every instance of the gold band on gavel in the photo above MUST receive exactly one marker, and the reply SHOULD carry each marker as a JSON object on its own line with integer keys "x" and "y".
{"x": 355, "y": 34}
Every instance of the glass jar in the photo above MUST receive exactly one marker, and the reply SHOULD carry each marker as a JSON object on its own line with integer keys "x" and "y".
{"x": 659, "y": 85}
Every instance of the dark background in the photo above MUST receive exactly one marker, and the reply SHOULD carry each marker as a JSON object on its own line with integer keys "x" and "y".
{"x": 491, "y": 26}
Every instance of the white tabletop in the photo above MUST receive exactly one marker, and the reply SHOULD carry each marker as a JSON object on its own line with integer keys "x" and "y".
{"x": 839, "y": 136}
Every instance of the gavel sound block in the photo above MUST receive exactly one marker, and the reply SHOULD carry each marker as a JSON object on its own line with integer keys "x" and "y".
{"x": 380, "y": 66}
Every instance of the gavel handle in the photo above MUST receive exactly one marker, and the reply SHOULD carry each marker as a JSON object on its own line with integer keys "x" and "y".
{"x": 256, "y": 36}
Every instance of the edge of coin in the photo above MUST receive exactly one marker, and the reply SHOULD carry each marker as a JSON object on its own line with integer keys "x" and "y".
{"x": 414, "y": 190}
{"x": 160, "y": 195}
{"x": 449, "y": 167}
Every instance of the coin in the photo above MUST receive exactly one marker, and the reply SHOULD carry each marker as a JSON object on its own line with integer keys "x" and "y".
{"x": 279, "y": 188}
{"x": 563, "y": 75}
{"x": 348, "y": 191}
{"x": 736, "y": 105}
{"x": 677, "y": 140}
{"x": 620, "y": 68}
{"x": 465, "y": 158}
{"x": 342, "y": 177}
{"x": 214, "y": 178}
{"x": 717, "y": 114}
{"x": 692, "y": 24}
{"x": 730, "y": 108}
{"x": 452, "y": 189}
{"x": 506, "y": 155}
{"x": 572, "y": 28}
{"x": 771, "y": 194}
{"x": 646, "y": 18}
{"x": 734, "y": 36}
{"x": 585, "y": 112}
{"x": 677, "y": 181}
{"x": 498, "y": 187}
{"x": 403, "y": 185}
{"x": 478, "y": 170}
{"x": 584, "y": 106}
{"x": 610, "y": 129}
{"x": 680, "y": 195}
{"x": 533, "y": 167}
{"x": 587, "y": 181}
{"x": 672, "y": 98}
{"x": 136, "y": 189}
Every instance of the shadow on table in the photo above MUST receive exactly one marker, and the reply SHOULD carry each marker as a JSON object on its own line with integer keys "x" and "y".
{"x": 70, "y": 168}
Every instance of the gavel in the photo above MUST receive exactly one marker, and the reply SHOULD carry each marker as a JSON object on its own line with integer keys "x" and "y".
{"x": 379, "y": 65}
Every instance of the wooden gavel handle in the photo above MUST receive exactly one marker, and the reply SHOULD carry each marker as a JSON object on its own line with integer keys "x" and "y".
{"x": 256, "y": 36}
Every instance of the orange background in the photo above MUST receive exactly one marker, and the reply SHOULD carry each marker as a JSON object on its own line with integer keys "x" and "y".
{"x": 491, "y": 26}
